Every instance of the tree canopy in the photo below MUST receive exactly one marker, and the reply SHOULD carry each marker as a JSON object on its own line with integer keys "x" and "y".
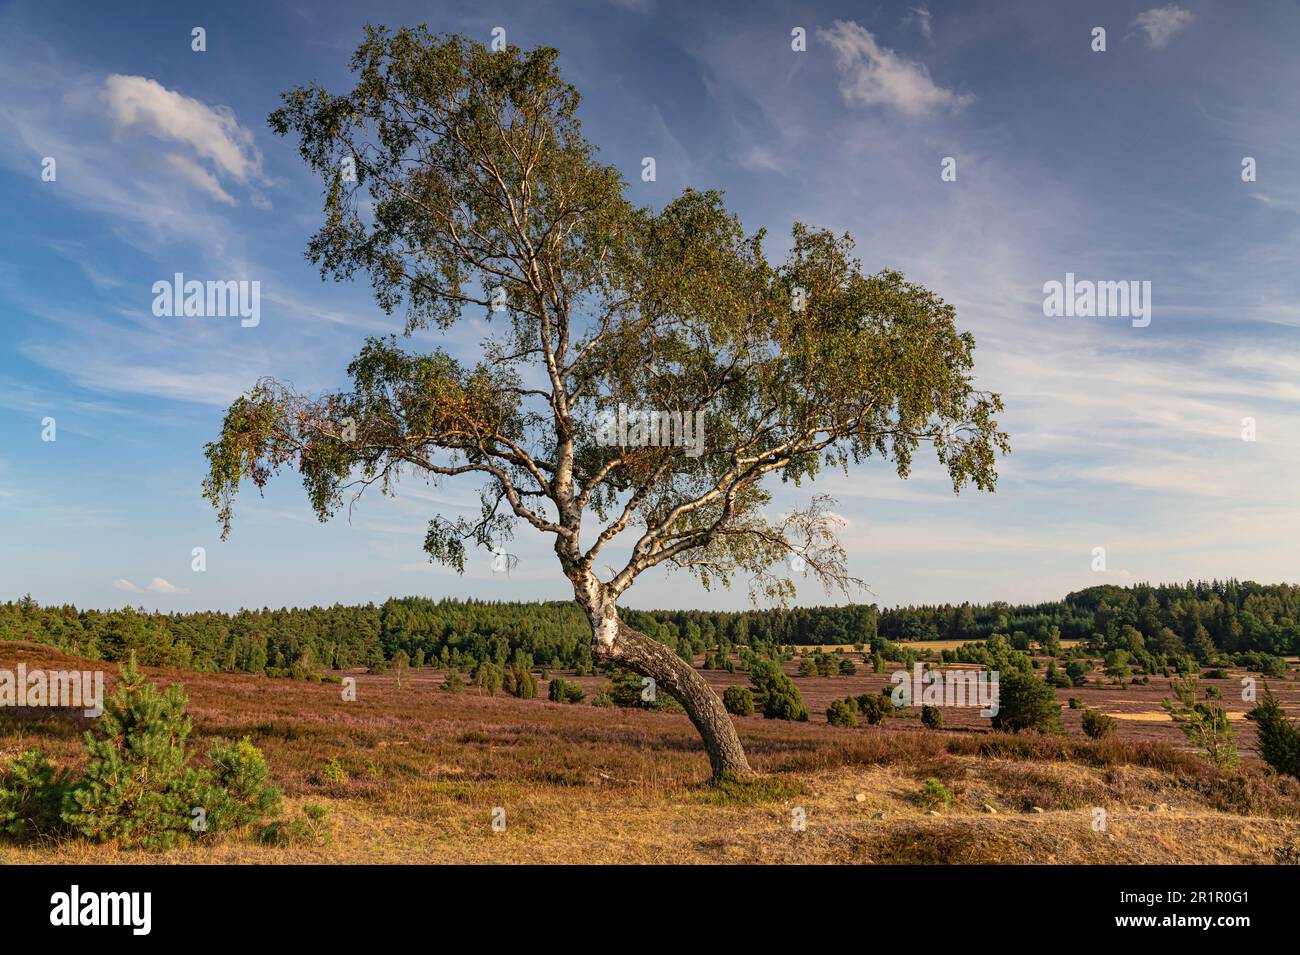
{"x": 485, "y": 194}
{"x": 457, "y": 176}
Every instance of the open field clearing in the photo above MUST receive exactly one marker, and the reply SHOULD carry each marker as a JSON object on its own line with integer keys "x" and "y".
{"x": 423, "y": 771}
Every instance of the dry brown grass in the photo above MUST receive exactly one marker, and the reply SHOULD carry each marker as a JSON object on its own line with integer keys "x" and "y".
{"x": 580, "y": 784}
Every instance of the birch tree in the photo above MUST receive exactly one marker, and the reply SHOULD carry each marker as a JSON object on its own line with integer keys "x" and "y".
{"x": 458, "y": 182}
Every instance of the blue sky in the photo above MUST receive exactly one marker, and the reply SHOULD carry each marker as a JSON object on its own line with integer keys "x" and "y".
{"x": 1116, "y": 165}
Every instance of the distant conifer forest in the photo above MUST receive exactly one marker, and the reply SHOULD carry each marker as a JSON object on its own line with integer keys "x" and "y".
{"x": 1201, "y": 621}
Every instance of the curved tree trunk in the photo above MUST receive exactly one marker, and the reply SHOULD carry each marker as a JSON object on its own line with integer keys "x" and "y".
{"x": 614, "y": 640}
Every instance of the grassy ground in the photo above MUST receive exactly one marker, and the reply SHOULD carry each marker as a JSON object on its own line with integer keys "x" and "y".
{"x": 425, "y": 770}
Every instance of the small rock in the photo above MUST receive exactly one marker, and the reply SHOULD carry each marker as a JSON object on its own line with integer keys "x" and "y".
{"x": 878, "y": 815}
{"x": 1035, "y": 808}
{"x": 990, "y": 810}
{"x": 932, "y": 812}
{"x": 861, "y": 797}
{"x": 604, "y": 775}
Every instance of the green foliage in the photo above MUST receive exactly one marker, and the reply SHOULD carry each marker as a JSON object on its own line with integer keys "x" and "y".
{"x": 1266, "y": 664}
{"x": 738, "y": 700}
{"x": 1205, "y": 725}
{"x": 728, "y": 791}
{"x": 1279, "y": 737}
{"x": 565, "y": 691}
{"x": 694, "y": 313}
{"x": 333, "y": 772}
{"x": 454, "y": 683}
{"x": 1026, "y": 703}
{"x": 1250, "y": 625}
{"x": 32, "y": 791}
{"x": 488, "y": 678}
{"x": 519, "y": 682}
{"x": 875, "y": 707}
{"x": 1117, "y": 663}
{"x": 932, "y": 717}
{"x": 1097, "y": 725}
{"x": 775, "y": 693}
{"x": 629, "y": 689}
{"x": 934, "y": 795}
{"x": 400, "y": 663}
{"x": 842, "y": 712}
{"x": 138, "y": 786}
{"x": 241, "y": 792}
{"x": 1057, "y": 677}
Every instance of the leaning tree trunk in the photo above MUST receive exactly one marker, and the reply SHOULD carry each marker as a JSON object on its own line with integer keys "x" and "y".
{"x": 621, "y": 644}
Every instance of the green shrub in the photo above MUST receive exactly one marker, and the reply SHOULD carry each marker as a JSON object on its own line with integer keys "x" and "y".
{"x": 1057, "y": 677}
{"x": 602, "y": 699}
{"x": 842, "y": 713}
{"x": 242, "y": 792}
{"x": 333, "y": 772}
{"x": 488, "y": 676}
{"x": 454, "y": 682}
{"x": 1097, "y": 725}
{"x": 1205, "y": 725}
{"x": 1279, "y": 737}
{"x": 1026, "y": 703}
{"x": 932, "y": 717}
{"x": 848, "y": 667}
{"x": 138, "y": 786}
{"x": 874, "y": 707}
{"x": 1076, "y": 703}
{"x": 519, "y": 682}
{"x": 630, "y": 690}
{"x": 1264, "y": 663}
{"x": 738, "y": 700}
{"x": 775, "y": 693}
{"x": 31, "y": 796}
{"x": 565, "y": 691}
{"x": 934, "y": 795}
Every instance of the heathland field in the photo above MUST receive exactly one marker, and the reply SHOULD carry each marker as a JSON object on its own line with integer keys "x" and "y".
{"x": 414, "y": 773}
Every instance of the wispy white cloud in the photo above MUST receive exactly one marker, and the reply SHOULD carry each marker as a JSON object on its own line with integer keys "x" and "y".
{"x": 1161, "y": 23}
{"x": 192, "y": 172}
{"x": 872, "y": 75}
{"x": 923, "y": 20}
{"x": 211, "y": 131}
{"x": 156, "y": 585}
